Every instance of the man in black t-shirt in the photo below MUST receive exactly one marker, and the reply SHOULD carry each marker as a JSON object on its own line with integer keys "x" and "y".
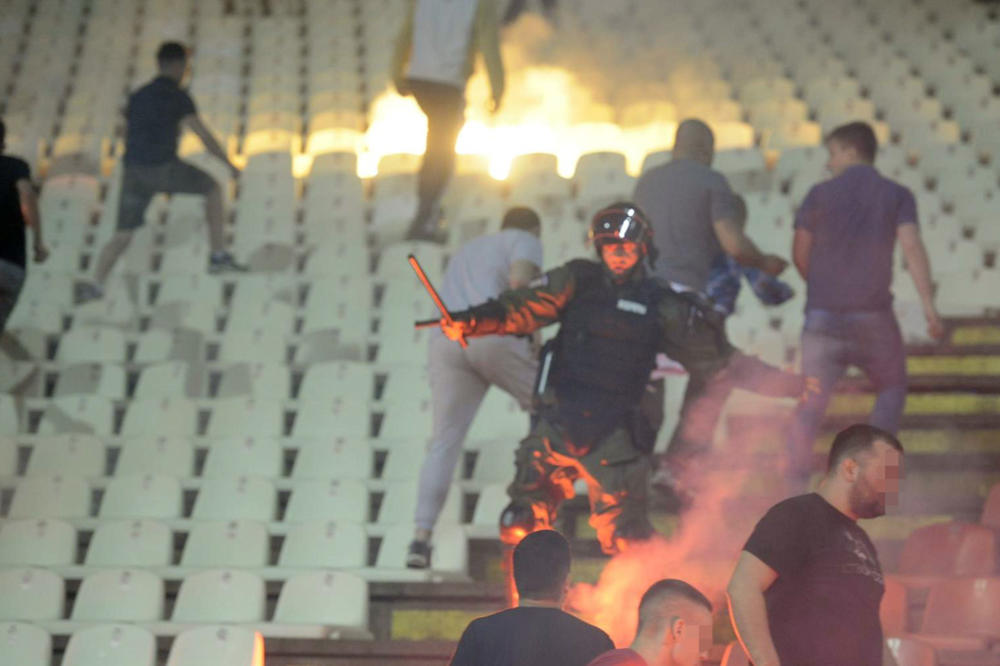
{"x": 154, "y": 116}
{"x": 18, "y": 209}
{"x": 808, "y": 584}
{"x": 538, "y": 632}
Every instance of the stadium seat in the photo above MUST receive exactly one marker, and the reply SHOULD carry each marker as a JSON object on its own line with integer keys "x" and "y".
{"x": 336, "y": 601}
{"x": 173, "y": 456}
{"x": 244, "y": 456}
{"x": 83, "y": 414}
{"x": 39, "y": 543}
{"x": 92, "y": 344}
{"x": 119, "y": 595}
{"x": 336, "y": 379}
{"x": 400, "y": 498}
{"x": 323, "y": 416}
{"x": 911, "y": 652}
{"x": 448, "y": 542}
{"x": 31, "y": 595}
{"x": 25, "y": 644}
{"x": 240, "y": 544}
{"x": 220, "y": 595}
{"x": 154, "y": 496}
{"x": 492, "y": 500}
{"x": 111, "y": 645}
{"x": 173, "y": 416}
{"x": 337, "y": 500}
{"x": 333, "y": 458}
{"x": 325, "y": 545}
{"x": 218, "y": 646}
{"x": 261, "y": 344}
{"x": 8, "y": 453}
{"x": 79, "y": 455}
{"x": 102, "y": 379}
{"x": 130, "y": 543}
{"x": 172, "y": 379}
{"x": 239, "y": 417}
{"x": 51, "y": 497}
{"x": 157, "y": 345}
{"x": 235, "y": 498}
{"x": 962, "y": 614}
{"x": 264, "y": 381}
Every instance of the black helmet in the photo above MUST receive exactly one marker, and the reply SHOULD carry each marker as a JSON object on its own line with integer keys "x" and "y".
{"x": 619, "y": 222}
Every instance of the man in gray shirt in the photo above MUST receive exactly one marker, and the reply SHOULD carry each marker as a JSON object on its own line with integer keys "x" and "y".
{"x": 694, "y": 218}
{"x": 481, "y": 269}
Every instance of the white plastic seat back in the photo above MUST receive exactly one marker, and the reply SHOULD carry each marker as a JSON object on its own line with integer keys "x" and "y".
{"x": 246, "y": 498}
{"x": 130, "y": 543}
{"x": 448, "y": 543}
{"x": 142, "y": 496}
{"x": 333, "y": 458}
{"x": 217, "y": 646}
{"x": 314, "y": 500}
{"x": 234, "y": 417}
{"x": 328, "y": 598}
{"x": 159, "y": 454}
{"x": 25, "y": 644}
{"x": 56, "y": 496}
{"x": 238, "y": 543}
{"x": 249, "y": 455}
{"x": 111, "y": 645}
{"x": 119, "y": 595}
{"x": 40, "y": 543}
{"x": 220, "y": 595}
{"x": 31, "y": 595}
{"x": 79, "y": 455}
{"x": 325, "y": 545}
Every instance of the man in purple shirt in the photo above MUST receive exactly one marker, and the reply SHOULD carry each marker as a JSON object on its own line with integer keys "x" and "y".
{"x": 845, "y": 233}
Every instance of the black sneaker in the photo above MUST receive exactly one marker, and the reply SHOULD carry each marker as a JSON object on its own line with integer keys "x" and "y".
{"x": 419, "y": 555}
{"x": 224, "y": 263}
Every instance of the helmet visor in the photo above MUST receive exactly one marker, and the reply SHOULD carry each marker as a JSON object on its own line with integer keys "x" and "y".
{"x": 616, "y": 225}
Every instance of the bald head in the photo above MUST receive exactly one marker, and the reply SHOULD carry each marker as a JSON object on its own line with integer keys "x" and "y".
{"x": 694, "y": 141}
{"x": 675, "y": 624}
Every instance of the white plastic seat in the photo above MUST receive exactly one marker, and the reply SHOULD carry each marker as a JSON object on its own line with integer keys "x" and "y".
{"x": 111, "y": 645}
{"x": 51, "y": 497}
{"x": 401, "y": 497}
{"x": 157, "y": 345}
{"x": 337, "y": 378}
{"x": 25, "y": 644}
{"x": 500, "y": 415}
{"x": 175, "y": 416}
{"x": 448, "y": 542}
{"x": 407, "y": 419}
{"x": 492, "y": 500}
{"x": 495, "y": 462}
{"x": 313, "y": 500}
{"x": 103, "y": 379}
{"x": 92, "y": 344}
{"x": 323, "y": 416}
{"x": 217, "y": 646}
{"x": 32, "y": 595}
{"x": 261, "y": 344}
{"x": 333, "y": 458}
{"x": 184, "y": 288}
{"x": 258, "y": 380}
{"x": 335, "y": 600}
{"x": 40, "y": 543}
{"x": 119, "y": 595}
{"x": 325, "y": 544}
{"x": 115, "y": 309}
{"x": 79, "y": 455}
{"x": 249, "y": 455}
{"x": 235, "y": 498}
{"x": 8, "y": 452}
{"x": 220, "y": 595}
{"x": 173, "y": 456}
{"x": 153, "y": 496}
{"x": 240, "y": 544}
{"x": 172, "y": 379}
{"x": 84, "y": 414}
{"x": 235, "y": 417}
{"x": 278, "y": 315}
{"x": 130, "y": 543}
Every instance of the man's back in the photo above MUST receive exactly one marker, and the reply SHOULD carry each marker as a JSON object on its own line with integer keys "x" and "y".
{"x": 153, "y": 121}
{"x": 12, "y": 235}
{"x": 683, "y": 199}
{"x": 853, "y": 219}
{"x": 530, "y": 636}
{"x": 442, "y": 33}
{"x": 480, "y": 269}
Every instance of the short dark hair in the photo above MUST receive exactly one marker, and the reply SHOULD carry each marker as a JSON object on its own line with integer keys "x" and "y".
{"x": 857, "y": 438}
{"x": 171, "y": 52}
{"x": 523, "y": 218}
{"x": 858, "y": 135}
{"x": 664, "y": 589}
{"x": 541, "y": 565}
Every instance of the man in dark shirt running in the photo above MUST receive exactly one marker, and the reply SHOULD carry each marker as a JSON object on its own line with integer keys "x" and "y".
{"x": 808, "y": 584}
{"x": 18, "y": 209}
{"x": 154, "y": 115}
{"x": 537, "y": 632}
{"x": 675, "y": 628}
{"x": 845, "y": 232}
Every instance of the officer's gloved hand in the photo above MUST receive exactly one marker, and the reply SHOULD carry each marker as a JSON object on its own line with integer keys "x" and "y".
{"x": 456, "y": 328}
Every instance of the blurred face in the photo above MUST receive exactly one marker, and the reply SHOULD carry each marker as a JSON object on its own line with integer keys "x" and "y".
{"x": 621, "y": 258}
{"x": 178, "y": 70}
{"x": 840, "y": 157}
{"x": 691, "y": 638}
{"x": 876, "y": 483}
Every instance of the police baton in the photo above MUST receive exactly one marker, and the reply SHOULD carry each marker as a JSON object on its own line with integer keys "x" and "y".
{"x": 415, "y": 265}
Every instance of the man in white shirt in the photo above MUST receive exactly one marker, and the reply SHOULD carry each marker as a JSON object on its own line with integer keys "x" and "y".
{"x": 481, "y": 269}
{"x": 433, "y": 60}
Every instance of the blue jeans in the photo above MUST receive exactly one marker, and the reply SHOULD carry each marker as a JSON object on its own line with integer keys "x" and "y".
{"x": 831, "y": 341}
